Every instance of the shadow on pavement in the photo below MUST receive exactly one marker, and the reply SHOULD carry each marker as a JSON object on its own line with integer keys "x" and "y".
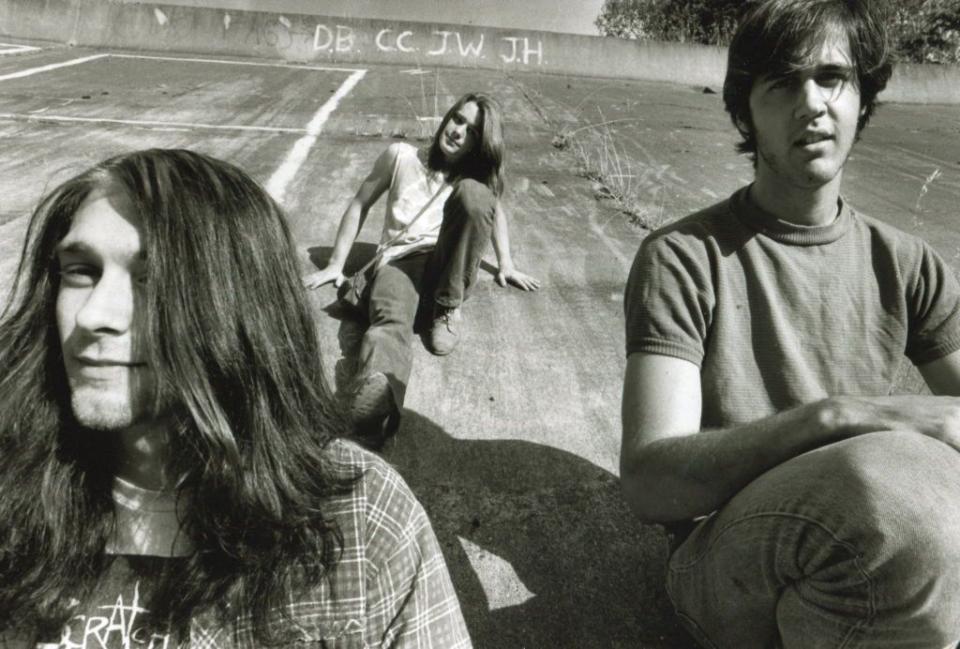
{"x": 541, "y": 547}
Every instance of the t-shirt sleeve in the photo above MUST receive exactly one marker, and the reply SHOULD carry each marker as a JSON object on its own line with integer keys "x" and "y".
{"x": 669, "y": 298}
{"x": 411, "y": 603}
{"x": 934, "y": 302}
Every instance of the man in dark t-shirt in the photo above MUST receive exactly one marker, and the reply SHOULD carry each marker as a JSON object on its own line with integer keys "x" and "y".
{"x": 764, "y": 337}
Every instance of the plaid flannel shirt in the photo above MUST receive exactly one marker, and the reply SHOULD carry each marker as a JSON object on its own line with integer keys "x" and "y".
{"x": 390, "y": 587}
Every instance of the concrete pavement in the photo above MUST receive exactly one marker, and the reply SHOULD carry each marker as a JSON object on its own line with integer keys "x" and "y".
{"x": 512, "y": 442}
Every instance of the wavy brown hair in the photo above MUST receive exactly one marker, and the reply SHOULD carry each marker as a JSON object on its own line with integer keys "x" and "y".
{"x": 484, "y": 161}
{"x": 236, "y": 351}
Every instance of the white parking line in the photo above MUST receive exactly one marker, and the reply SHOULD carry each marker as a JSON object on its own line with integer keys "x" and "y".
{"x": 232, "y": 62}
{"x": 51, "y": 66}
{"x": 43, "y": 117}
{"x": 277, "y": 185}
{"x": 13, "y": 48}
{"x": 278, "y": 182}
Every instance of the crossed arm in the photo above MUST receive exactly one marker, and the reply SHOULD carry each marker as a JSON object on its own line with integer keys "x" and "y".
{"x": 672, "y": 471}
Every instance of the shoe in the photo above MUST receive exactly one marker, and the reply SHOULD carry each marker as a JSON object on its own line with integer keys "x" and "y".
{"x": 373, "y": 412}
{"x": 445, "y": 329}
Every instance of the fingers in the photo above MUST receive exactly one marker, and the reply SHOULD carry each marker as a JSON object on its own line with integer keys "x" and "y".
{"x": 524, "y": 282}
{"x": 318, "y": 279}
{"x": 502, "y": 279}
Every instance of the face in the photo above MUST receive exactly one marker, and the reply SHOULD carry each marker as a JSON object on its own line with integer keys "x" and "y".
{"x": 806, "y": 122}
{"x": 100, "y": 314}
{"x": 460, "y": 134}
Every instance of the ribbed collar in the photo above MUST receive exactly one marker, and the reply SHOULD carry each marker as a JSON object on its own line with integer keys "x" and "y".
{"x": 754, "y": 217}
{"x": 147, "y": 522}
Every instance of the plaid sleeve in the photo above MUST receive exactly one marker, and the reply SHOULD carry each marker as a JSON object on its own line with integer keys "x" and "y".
{"x": 411, "y": 603}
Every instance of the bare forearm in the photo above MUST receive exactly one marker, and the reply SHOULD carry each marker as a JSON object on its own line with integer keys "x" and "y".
{"x": 500, "y": 237}
{"x": 350, "y": 224}
{"x": 681, "y": 477}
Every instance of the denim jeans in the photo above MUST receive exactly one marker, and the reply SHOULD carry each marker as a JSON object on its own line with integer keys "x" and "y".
{"x": 443, "y": 276}
{"x": 855, "y": 544}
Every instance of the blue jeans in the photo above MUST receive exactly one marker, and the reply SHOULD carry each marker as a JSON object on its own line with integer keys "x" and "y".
{"x": 443, "y": 276}
{"x": 855, "y": 544}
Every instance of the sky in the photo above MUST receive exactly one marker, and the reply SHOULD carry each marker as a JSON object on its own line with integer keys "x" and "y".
{"x": 571, "y": 16}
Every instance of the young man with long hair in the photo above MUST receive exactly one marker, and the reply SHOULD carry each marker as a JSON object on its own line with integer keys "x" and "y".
{"x": 765, "y": 336}
{"x": 443, "y": 204}
{"x": 169, "y": 467}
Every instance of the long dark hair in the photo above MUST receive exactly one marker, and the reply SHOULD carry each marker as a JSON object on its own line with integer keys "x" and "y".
{"x": 235, "y": 348}
{"x": 484, "y": 162}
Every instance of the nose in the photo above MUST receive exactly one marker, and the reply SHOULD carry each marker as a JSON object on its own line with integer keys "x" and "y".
{"x": 810, "y": 100}
{"x": 108, "y": 307}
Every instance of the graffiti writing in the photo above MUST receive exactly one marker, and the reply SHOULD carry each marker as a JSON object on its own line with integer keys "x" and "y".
{"x": 342, "y": 39}
{"x": 300, "y": 37}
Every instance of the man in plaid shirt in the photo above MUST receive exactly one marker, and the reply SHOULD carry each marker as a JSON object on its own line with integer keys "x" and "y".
{"x": 170, "y": 472}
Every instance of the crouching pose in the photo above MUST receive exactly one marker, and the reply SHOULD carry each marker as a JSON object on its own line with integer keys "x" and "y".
{"x": 443, "y": 204}
{"x": 169, "y": 468}
{"x": 765, "y": 335}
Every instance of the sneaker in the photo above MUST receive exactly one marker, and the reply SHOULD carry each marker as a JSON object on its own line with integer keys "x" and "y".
{"x": 373, "y": 412}
{"x": 445, "y": 329}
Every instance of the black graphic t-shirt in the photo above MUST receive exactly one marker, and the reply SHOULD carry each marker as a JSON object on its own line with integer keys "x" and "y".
{"x": 117, "y": 615}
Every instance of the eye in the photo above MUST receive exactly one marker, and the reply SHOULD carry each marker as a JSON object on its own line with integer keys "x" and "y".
{"x": 831, "y": 78}
{"x": 784, "y": 82}
{"x": 77, "y": 275}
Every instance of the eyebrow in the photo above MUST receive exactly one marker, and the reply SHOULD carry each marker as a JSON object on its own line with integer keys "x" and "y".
{"x": 81, "y": 248}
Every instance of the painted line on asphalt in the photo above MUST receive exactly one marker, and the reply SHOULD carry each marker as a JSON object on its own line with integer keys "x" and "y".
{"x": 51, "y": 66}
{"x": 232, "y": 62}
{"x": 43, "y": 117}
{"x": 13, "y": 48}
{"x": 277, "y": 185}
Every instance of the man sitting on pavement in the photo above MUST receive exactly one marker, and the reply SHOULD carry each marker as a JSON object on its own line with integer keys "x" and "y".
{"x": 765, "y": 335}
{"x": 443, "y": 205}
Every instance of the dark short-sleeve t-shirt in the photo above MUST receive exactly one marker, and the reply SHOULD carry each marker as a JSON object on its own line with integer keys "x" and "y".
{"x": 776, "y": 315}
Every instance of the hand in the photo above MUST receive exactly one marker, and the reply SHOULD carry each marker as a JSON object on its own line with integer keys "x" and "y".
{"x": 515, "y": 278}
{"x": 933, "y": 416}
{"x": 324, "y": 276}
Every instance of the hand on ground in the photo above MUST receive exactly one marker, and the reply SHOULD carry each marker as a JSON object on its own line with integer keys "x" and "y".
{"x": 325, "y": 276}
{"x": 519, "y": 280}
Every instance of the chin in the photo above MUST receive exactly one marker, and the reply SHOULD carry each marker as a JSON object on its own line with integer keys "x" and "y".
{"x": 821, "y": 174}
{"x": 103, "y": 411}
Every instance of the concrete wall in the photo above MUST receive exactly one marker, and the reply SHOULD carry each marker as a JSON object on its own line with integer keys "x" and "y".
{"x": 316, "y": 39}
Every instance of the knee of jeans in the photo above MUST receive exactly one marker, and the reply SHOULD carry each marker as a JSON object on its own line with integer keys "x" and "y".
{"x": 474, "y": 199}
{"x": 906, "y": 486}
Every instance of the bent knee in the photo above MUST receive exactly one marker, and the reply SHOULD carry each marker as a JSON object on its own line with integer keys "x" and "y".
{"x": 473, "y": 198}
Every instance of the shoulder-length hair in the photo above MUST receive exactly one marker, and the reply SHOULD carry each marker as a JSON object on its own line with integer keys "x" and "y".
{"x": 235, "y": 348}
{"x": 484, "y": 162}
{"x": 780, "y": 37}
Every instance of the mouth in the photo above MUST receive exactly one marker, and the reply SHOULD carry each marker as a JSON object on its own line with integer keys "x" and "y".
{"x": 812, "y": 138}
{"x": 453, "y": 144}
{"x": 85, "y": 361}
